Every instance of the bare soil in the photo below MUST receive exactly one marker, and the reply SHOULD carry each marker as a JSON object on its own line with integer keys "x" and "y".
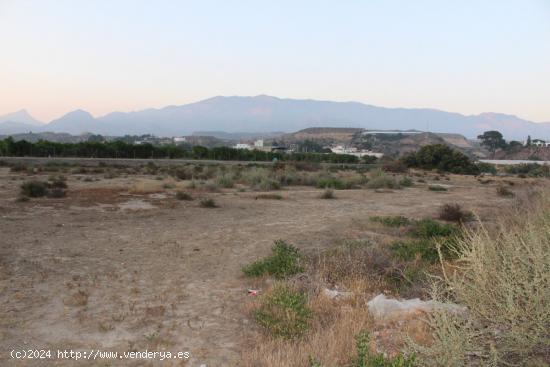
{"x": 114, "y": 268}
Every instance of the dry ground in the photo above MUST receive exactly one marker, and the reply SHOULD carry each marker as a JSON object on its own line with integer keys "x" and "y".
{"x": 120, "y": 264}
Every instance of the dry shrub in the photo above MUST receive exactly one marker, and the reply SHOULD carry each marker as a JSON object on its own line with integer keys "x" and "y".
{"x": 330, "y": 340}
{"x": 146, "y": 187}
{"x": 454, "y": 213}
{"x": 503, "y": 278}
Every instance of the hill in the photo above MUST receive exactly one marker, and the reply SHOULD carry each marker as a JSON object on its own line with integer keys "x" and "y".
{"x": 262, "y": 114}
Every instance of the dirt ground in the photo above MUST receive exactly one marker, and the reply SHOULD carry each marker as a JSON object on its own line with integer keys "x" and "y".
{"x": 120, "y": 264}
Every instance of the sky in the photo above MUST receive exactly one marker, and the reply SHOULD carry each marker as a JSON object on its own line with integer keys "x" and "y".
{"x": 465, "y": 56}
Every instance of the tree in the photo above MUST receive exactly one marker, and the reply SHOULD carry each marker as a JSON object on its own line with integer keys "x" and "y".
{"x": 493, "y": 140}
{"x": 528, "y": 141}
{"x": 440, "y": 157}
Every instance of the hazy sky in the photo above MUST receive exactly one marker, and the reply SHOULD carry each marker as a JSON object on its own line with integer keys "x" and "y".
{"x": 467, "y": 56}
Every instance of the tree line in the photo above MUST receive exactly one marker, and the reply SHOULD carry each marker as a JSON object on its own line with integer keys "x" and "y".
{"x": 121, "y": 149}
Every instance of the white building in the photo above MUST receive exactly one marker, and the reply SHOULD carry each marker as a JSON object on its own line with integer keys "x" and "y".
{"x": 340, "y": 149}
{"x": 259, "y": 143}
{"x": 242, "y": 146}
{"x": 180, "y": 139}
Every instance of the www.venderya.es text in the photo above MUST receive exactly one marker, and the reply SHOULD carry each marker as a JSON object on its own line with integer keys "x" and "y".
{"x": 94, "y": 354}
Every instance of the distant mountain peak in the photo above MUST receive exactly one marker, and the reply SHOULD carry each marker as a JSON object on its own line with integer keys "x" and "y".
{"x": 263, "y": 113}
{"x": 21, "y": 116}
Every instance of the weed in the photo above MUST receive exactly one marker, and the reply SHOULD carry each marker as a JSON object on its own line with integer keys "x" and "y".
{"x": 395, "y": 221}
{"x": 284, "y": 261}
{"x": 284, "y": 312}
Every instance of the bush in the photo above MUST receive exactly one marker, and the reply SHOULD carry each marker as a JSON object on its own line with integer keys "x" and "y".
{"x": 284, "y": 312}
{"x": 487, "y": 168}
{"x": 267, "y": 184}
{"x": 34, "y": 189}
{"x": 333, "y": 183}
{"x": 442, "y": 158}
{"x": 395, "y": 221}
{"x": 282, "y": 263}
{"x": 181, "y": 195}
{"x": 225, "y": 181}
{"x": 437, "y": 188}
{"x": 454, "y": 213}
{"x": 503, "y": 281}
{"x": 424, "y": 248}
{"x": 505, "y": 192}
{"x": 20, "y": 167}
{"x": 328, "y": 194}
{"x": 429, "y": 235}
{"x": 208, "y": 203}
{"x": 379, "y": 179}
{"x": 269, "y": 197}
{"x": 428, "y": 228}
{"x": 367, "y": 359}
{"x": 406, "y": 182}
{"x": 529, "y": 169}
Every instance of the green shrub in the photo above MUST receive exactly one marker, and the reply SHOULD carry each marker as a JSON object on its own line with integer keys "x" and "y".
{"x": 442, "y": 158}
{"x": 34, "y": 189}
{"x": 395, "y": 221}
{"x": 283, "y": 262}
{"x": 529, "y": 169}
{"x": 428, "y": 235}
{"x": 208, "y": 203}
{"x": 225, "y": 181}
{"x": 437, "y": 188}
{"x": 284, "y": 312}
{"x": 379, "y": 179}
{"x": 424, "y": 248}
{"x": 181, "y": 195}
{"x": 332, "y": 183}
{"x": 406, "y": 182}
{"x": 487, "y": 168}
{"x": 367, "y": 359}
{"x": 428, "y": 228}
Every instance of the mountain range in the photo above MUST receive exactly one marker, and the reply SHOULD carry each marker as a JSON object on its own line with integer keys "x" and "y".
{"x": 262, "y": 114}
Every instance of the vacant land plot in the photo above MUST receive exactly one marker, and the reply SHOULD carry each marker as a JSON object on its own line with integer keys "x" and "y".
{"x": 121, "y": 264}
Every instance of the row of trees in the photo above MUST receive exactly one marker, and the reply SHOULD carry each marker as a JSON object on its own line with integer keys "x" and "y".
{"x": 121, "y": 149}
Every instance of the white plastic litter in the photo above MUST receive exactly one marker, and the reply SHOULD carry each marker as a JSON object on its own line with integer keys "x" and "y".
{"x": 335, "y": 294}
{"x": 383, "y": 308}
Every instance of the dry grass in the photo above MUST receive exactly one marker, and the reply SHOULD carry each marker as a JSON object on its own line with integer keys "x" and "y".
{"x": 145, "y": 187}
{"x": 330, "y": 340}
{"x": 503, "y": 277}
